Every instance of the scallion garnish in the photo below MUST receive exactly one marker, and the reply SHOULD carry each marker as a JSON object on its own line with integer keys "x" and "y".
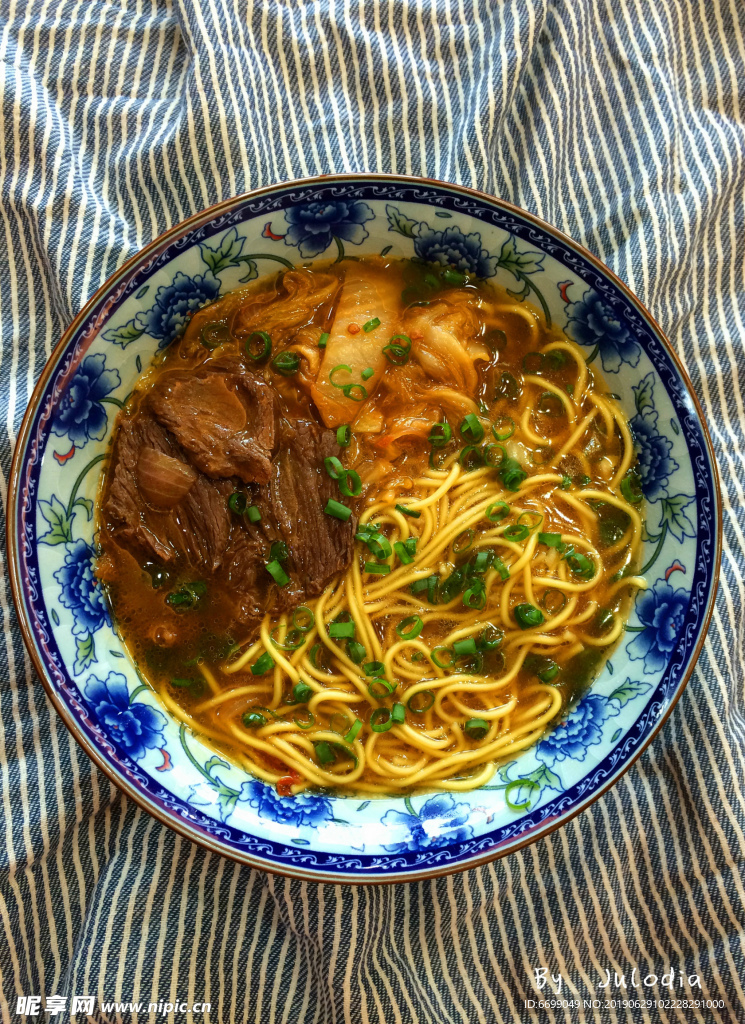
{"x": 381, "y": 720}
{"x": 398, "y": 713}
{"x": 516, "y": 532}
{"x": 303, "y": 619}
{"x": 323, "y": 340}
{"x": 356, "y": 651}
{"x": 410, "y": 627}
{"x": 337, "y": 510}
{"x": 262, "y": 664}
{"x": 258, "y": 346}
{"x": 380, "y": 688}
{"x": 354, "y": 732}
{"x": 277, "y": 573}
{"x": 380, "y": 546}
{"x": 377, "y": 568}
{"x": 463, "y": 541}
{"x": 408, "y": 511}
{"x": 237, "y": 503}
{"x": 471, "y": 457}
{"x": 398, "y": 353}
{"x": 494, "y": 455}
{"x": 343, "y": 435}
{"x": 278, "y": 551}
{"x": 496, "y": 512}
{"x": 373, "y": 668}
{"x": 512, "y": 474}
{"x": 420, "y": 702}
{"x": 371, "y": 325}
{"x": 403, "y": 554}
{"x": 504, "y": 428}
{"x": 501, "y": 568}
{"x": 350, "y": 483}
{"x": 475, "y": 596}
{"x": 528, "y": 616}
{"x": 580, "y": 564}
{"x": 324, "y": 752}
{"x": 633, "y": 497}
{"x": 530, "y": 519}
{"x": 342, "y": 630}
{"x": 253, "y": 720}
{"x": 476, "y": 728}
{"x": 367, "y": 374}
{"x": 566, "y": 483}
{"x": 301, "y": 692}
{"x": 467, "y": 646}
{"x": 286, "y": 363}
{"x": 254, "y": 514}
{"x": 440, "y": 434}
{"x": 472, "y": 429}
{"x": 551, "y": 540}
{"x": 214, "y": 334}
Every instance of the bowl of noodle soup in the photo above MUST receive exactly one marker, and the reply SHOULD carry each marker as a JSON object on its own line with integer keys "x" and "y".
{"x": 364, "y": 528}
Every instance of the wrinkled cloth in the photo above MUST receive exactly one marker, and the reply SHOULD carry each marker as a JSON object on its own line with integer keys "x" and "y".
{"x": 619, "y": 121}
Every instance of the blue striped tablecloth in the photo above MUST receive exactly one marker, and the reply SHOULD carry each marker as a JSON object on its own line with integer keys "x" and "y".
{"x": 620, "y": 121}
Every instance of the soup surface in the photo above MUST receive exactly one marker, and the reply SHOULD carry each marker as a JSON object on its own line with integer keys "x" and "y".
{"x": 370, "y": 526}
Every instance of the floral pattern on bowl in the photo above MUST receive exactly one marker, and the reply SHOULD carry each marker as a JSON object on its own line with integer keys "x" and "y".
{"x": 118, "y": 718}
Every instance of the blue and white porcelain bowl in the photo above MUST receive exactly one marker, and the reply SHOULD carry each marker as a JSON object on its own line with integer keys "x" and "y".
{"x": 119, "y": 720}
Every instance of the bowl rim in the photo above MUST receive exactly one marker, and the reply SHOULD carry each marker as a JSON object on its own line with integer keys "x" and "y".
{"x": 128, "y": 787}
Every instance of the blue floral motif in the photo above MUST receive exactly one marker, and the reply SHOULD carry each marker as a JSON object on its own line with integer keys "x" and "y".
{"x": 582, "y": 729}
{"x": 453, "y": 248}
{"x": 440, "y": 822}
{"x": 656, "y": 465}
{"x": 301, "y": 810}
{"x": 661, "y": 611}
{"x": 80, "y": 413}
{"x": 593, "y": 323}
{"x": 81, "y": 591}
{"x": 138, "y": 727}
{"x": 174, "y": 303}
{"x": 313, "y": 226}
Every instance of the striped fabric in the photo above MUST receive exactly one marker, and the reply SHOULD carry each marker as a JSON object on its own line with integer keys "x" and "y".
{"x": 621, "y": 122}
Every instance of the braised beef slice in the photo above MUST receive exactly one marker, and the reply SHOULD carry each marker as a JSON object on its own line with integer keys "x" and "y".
{"x": 196, "y": 531}
{"x": 320, "y": 545}
{"x": 224, "y": 421}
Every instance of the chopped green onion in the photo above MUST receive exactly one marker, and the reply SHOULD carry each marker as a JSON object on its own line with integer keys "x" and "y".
{"x": 371, "y": 325}
{"x": 286, "y": 363}
{"x": 323, "y": 339}
{"x": 414, "y": 513}
{"x": 356, "y": 651}
{"x": 604, "y": 619}
{"x": 214, "y": 335}
{"x": 508, "y": 387}
{"x": 583, "y": 481}
{"x": 313, "y": 656}
{"x": 354, "y": 732}
{"x": 253, "y": 720}
{"x": 354, "y": 391}
{"x": 183, "y": 683}
{"x": 549, "y": 673}
{"x": 337, "y": 510}
{"x": 380, "y": 688}
{"x": 439, "y": 435}
{"x": 342, "y": 630}
{"x": 258, "y": 346}
{"x": 410, "y": 627}
{"x": 580, "y": 564}
{"x": 489, "y": 638}
{"x": 463, "y": 541}
{"x": 472, "y": 428}
{"x": 475, "y": 596}
{"x": 277, "y": 573}
{"x": 480, "y": 562}
{"x": 402, "y": 553}
{"x": 308, "y": 723}
{"x": 549, "y": 404}
{"x": 496, "y": 339}
{"x": 533, "y": 362}
{"x": 333, "y": 466}
{"x": 566, "y": 483}
{"x": 398, "y": 354}
{"x": 343, "y": 435}
{"x": 497, "y": 511}
{"x": 528, "y": 616}
{"x": 237, "y": 502}
{"x": 633, "y": 497}
{"x": 512, "y": 474}
{"x": 324, "y": 752}
{"x": 262, "y": 664}
{"x": 254, "y": 514}
{"x": 423, "y": 699}
{"x": 524, "y": 805}
{"x": 350, "y": 483}
{"x": 381, "y": 720}
{"x": 551, "y": 540}
{"x": 429, "y": 583}
{"x": 278, "y": 551}
{"x": 293, "y": 640}
{"x": 467, "y": 646}
{"x": 471, "y": 457}
{"x": 530, "y": 519}
{"x": 398, "y": 713}
{"x": 494, "y": 455}
{"x": 553, "y": 601}
{"x": 556, "y": 359}
{"x": 504, "y": 428}
{"x": 373, "y": 668}
{"x": 303, "y": 619}
{"x": 377, "y": 568}
{"x": 337, "y": 369}
{"x": 476, "y": 728}
{"x": 436, "y": 657}
{"x": 453, "y": 277}
{"x": 380, "y": 546}
{"x": 516, "y": 532}
{"x": 367, "y": 374}
{"x": 501, "y": 568}
{"x": 302, "y": 692}
{"x": 453, "y": 585}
